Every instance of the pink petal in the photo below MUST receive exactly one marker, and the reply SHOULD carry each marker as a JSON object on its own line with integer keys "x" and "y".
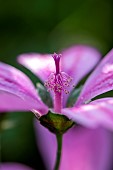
{"x": 40, "y": 64}
{"x": 78, "y": 61}
{"x": 17, "y": 91}
{"x": 14, "y": 166}
{"x": 97, "y": 113}
{"x": 100, "y": 81}
{"x": 83, "y": 149}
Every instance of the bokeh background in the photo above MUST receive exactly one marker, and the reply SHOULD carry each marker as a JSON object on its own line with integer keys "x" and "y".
{"x": 45, "y": 26}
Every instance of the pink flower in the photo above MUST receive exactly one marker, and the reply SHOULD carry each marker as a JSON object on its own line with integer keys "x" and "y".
{"x": 18, "y": 93}
{"x": 16, "y": 87}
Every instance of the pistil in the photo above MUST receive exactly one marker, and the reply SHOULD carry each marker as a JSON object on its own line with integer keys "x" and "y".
{"x": 57, "y": 62}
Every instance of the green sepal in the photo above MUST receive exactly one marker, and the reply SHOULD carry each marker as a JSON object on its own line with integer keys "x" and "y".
{"x": 44, "y": 94}
{"x": 56, "y": 123}
{"x": 73, "y": 96}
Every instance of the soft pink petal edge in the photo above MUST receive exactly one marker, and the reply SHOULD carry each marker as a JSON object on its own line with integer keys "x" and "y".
{"x": 79, "y": 60}
{"x": 17, "y": 87}
{"x": 98, "y": 113}
{"x": 40, "y": 64}
{"x": 100, "y": 81}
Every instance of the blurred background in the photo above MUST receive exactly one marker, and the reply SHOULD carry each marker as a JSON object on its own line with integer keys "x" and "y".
{"x": 45, "y": 26}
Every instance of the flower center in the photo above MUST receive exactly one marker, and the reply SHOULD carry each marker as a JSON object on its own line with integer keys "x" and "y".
{"x": 58, "y": 81}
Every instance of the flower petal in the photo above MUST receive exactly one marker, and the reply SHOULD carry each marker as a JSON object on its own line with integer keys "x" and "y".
{"x": 97, "y": 113}
{"x": 40, "y": 64}
{"x": 80, "y": 148}
{"x": 13, "y": 166}
{"x": 16, "y": 87}
{"x": 78, "y": 61}
{"x": 100, "y": 81}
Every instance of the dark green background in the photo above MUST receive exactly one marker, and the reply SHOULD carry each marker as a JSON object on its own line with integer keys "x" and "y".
{"x": 45, "y": 26}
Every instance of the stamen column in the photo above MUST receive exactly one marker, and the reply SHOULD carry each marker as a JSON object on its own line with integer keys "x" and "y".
{"x": 58, "y": 94}
{"x": 59, "y": 83}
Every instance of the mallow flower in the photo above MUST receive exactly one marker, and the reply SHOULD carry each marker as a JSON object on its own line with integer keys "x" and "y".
{"x": 60, "y": 74}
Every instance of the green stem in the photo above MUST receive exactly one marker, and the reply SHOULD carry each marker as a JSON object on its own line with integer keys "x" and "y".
{"x": 59, "y": 149}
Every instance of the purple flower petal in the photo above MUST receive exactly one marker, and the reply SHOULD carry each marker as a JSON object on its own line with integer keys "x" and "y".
{"x": 100, "y": 81}
{"x": 40, "y": 64}
{"x": 78, "y": 60}
{"x": 83, "y": 149}
{"x": 97, "y": 113}
{"x": 14, "y": 166}
{"x": 17, "y": 91}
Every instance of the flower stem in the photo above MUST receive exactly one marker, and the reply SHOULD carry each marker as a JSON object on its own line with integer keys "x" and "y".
{"x": 59, "y": 149}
